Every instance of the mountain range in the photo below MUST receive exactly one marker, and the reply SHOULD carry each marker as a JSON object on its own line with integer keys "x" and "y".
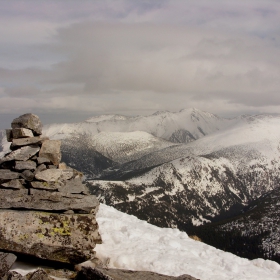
{"x": 187, "y": 170}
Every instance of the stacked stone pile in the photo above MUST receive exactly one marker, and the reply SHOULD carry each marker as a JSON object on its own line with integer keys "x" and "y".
{"x": 45, "y": 210}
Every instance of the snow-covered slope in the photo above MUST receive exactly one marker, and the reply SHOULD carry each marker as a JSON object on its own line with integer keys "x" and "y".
{"x": 126, "y": 146}
{"x": 134, "y": 244}
{"x": 129, "y": 243}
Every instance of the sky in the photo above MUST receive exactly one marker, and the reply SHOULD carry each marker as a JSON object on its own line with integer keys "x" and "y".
{"x": 68, "y": 60}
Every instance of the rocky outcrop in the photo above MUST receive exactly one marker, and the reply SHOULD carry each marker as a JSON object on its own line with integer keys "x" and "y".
{"x": 45, "y": 209}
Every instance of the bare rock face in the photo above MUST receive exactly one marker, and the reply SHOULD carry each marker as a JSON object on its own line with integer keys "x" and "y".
{"x": 29, "y": 121}
{"x": 45, "y": 209}
{"x": 68, "y": 238}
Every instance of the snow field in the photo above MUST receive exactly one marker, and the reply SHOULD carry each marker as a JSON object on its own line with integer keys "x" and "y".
{"x": 130, "y": 243}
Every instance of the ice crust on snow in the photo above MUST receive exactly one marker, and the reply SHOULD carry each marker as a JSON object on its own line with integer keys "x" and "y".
{"x": 130, "y": 243}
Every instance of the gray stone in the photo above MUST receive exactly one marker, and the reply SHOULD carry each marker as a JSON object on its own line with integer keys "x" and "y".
{"x": 9, "y": 135}
{"x": 47, "y": 201}
{"x": 7, "y": 175}
{"x": 22, "y": 165}
{"x": 6, "y": 262}
{"x": 74, "y": 186}
{"x": 40, "y": 168}
{"x": 52, "y": 236}
{"x": 23, "y": 153}
{"x": 27, "y": 141}
{"x": 27, "y": 175}
{"x": 88, "y": 273}
{"x": 22, "y": 133}
{"x": 29, "y": 121}
{"x": 14, "y": 184}
{"x": 51, "y": 149}
{"x": 41, "y": 160}
{"x": 51, "y": 186}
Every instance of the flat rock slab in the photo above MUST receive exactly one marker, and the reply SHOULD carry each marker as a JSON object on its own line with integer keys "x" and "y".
{"x": 23, "y": 153}
{"x": 27, "y": 141}
{"x": 53, "y": 174}
{"x": 6, "y": 175}
{"x": 47, "y": 201}
{"x": 6, "y": 262}
{"x": 14, "y": 184}
{"x": 121, "y": 274}
{"x": 22, "y": 165}
{"x": 29, "y": 121}
{"x": 68, "y": 238}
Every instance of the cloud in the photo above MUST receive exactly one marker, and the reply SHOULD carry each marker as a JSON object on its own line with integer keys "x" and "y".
{"x": 140, "y": 56}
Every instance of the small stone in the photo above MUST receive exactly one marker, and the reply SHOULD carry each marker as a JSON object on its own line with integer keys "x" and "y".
{"x": 14, "y": 184}
{"x": 22, "y": 165}
{"x": 29, "y": 121}
{"x": 9, "y": 135}
{"x": 6, "y": 262}
{"x": 51, "y": 149}
{"x": 22, "y": 133}
{"x": 27, "y": 175}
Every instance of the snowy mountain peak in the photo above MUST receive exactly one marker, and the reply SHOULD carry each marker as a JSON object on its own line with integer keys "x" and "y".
{"x": 101, "y": 118}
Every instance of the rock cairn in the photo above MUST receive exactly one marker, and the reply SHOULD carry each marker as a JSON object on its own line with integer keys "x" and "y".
{"x": 45, "y": 209}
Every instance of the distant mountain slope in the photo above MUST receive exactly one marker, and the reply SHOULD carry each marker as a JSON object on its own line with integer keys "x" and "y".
{"x": 127, "y": 146}
{"x": 201, "y": 181}
{"x": 254, "y": 233}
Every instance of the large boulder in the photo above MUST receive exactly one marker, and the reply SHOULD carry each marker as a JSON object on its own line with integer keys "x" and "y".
{"x": 68, "y": 238}
{"x": 29, "y": 121}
